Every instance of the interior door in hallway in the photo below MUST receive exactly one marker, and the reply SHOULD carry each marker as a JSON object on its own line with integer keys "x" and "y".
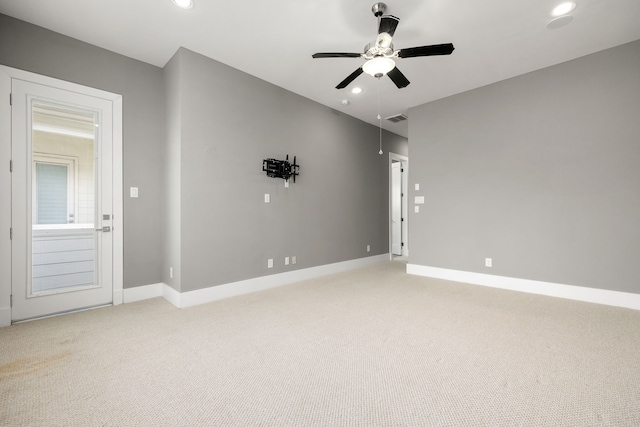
{"x": 62, "y": 200}
{"x": 396, "y": 208}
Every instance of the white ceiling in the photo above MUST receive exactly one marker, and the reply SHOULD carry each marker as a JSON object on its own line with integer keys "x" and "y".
{"x": 494, "y": 40}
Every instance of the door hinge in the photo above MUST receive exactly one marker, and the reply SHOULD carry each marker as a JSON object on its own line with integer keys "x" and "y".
{"x": 10, "y": 99}
{"x": 10, "y": 300}
{"x": 10, "y": 165}
{"x": 10, "y": 233}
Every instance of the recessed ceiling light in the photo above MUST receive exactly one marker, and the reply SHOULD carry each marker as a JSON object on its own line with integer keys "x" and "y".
{"x": 184, "y": 4}
{"x": 559, "y": 22}
{"x": 356, "y": 90}
{"x": 563, "y": 8}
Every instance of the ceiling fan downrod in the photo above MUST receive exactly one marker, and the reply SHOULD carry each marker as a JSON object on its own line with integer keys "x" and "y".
{"x": 378, "y": 9}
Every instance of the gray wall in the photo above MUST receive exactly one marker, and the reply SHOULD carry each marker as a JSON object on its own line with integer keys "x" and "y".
{"x": 540, "y": 172}
{"x": 231, "y": 121}
{"x": 172, "y": 162}
{"x": 201, "y": 208}
{"x": 31, "y": 48}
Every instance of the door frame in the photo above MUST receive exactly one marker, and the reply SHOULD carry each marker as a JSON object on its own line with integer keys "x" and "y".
{"x": 393, "y": 157}
{"x": 6, "y": 75}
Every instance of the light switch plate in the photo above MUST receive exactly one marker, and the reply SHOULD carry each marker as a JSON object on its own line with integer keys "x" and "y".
{"x": 133, "y": 192}
{"x": 267, "y": 198}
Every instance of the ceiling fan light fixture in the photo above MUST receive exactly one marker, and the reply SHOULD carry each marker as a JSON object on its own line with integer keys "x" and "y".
{"x": 378, "y": 66}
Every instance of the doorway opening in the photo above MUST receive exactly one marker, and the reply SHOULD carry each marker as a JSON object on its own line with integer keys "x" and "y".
{"x": 398, "y": 218}
{"x": 64, "y": 209}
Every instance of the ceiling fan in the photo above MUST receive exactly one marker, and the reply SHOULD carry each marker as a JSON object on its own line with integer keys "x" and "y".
{"x": 380, "y": 54}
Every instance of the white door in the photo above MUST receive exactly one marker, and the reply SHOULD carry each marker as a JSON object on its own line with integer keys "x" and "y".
{"x": 396, "y": 208}
{"x": 62, "y": 200}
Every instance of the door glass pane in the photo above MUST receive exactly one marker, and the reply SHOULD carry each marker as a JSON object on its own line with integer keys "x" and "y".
{"x": 63, "y": 198}
{"x": 51, "y": 193}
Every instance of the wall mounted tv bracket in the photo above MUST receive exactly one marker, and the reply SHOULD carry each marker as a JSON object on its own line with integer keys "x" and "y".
{"x": 281, "y": 168}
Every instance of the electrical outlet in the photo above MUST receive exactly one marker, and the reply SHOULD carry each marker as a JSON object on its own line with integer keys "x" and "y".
{"x": 294, "y": 259}
{"x": 270, "y": 263}
{"x": 488, "y": 262}
{"x": 368, "y": 248}
{"x": 286, "y": 260}
{"x": 267, "y": 198}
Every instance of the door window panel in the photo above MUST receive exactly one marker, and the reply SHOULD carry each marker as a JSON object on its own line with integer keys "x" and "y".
{"x": 63, "y": 187}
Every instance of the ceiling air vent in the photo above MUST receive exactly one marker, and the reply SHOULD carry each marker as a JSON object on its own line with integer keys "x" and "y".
{"x": 397, "y": 118}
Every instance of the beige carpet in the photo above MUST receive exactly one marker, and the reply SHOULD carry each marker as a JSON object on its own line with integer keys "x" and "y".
{"x": 372, "y": 347}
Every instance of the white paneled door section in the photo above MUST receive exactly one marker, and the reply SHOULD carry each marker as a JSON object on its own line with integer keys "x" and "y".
{"x": 62, "y": 200}
{"x": 396, "y": 208}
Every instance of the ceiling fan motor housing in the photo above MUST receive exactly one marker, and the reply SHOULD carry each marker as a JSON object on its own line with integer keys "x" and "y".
{"x": 374, "y": 49}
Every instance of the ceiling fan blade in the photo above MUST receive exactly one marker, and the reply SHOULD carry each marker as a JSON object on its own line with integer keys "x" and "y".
{"x": 388, "y": 24}
{"x": 435, "y": 49}
{"x": 336, "y": 55}
{"x": 398, "y": 78}
{"x": 349, "y": 79}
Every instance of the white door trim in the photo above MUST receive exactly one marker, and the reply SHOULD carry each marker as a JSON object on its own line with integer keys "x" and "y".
{"x": 400, "y": 158}
{"x": 6, "y": 74}
{"x": 396, "y": 208}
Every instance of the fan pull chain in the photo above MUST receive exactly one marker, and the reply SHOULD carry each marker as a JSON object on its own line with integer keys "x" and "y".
{"x": 379, "y": 118}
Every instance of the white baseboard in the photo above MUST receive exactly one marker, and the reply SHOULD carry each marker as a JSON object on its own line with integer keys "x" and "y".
{"x": 228, "y": 290}
{"x": 5, "y": 317}
{"x": 171, "y": 295}
{"x": 214, "y": 293}
{"x": 578, "y": 293}
{"x": 140, "y": 293}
